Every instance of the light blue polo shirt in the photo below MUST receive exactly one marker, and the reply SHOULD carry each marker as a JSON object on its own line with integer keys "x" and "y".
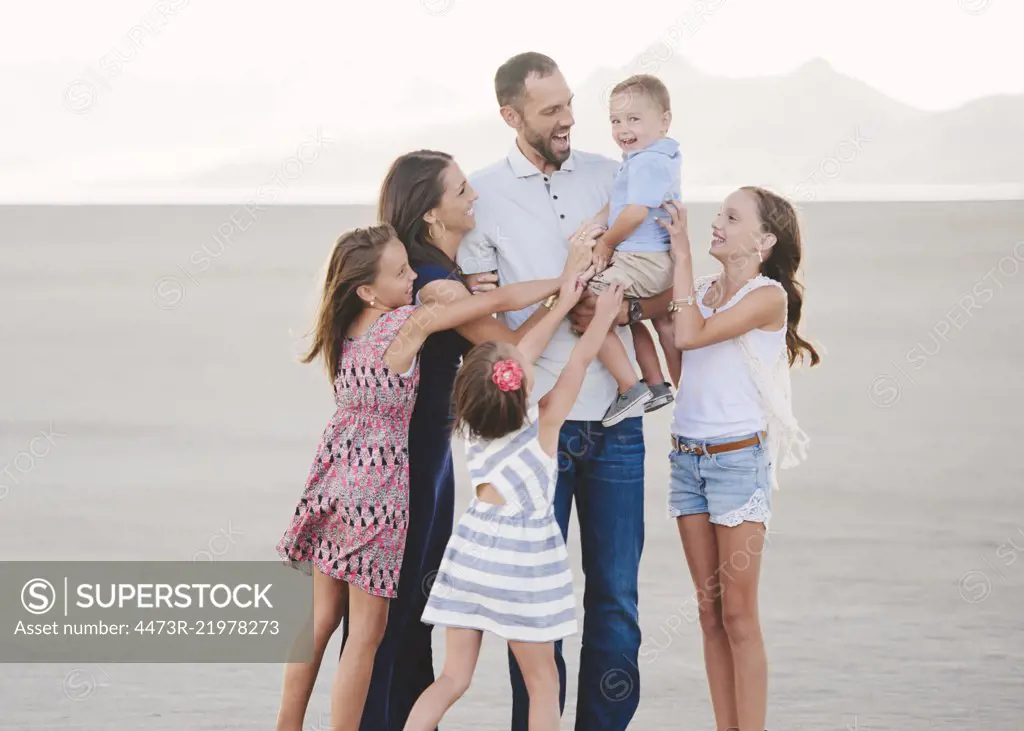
{"x": 524, "y": 219}
{"x": 647, "y": 177}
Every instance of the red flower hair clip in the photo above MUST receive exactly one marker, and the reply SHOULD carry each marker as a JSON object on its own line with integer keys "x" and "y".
{"x": 508, "y": 375}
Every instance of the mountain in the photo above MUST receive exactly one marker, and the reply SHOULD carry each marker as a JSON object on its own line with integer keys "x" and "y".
{"x": 805, "y": 132}
{"x": 811, "y": 133}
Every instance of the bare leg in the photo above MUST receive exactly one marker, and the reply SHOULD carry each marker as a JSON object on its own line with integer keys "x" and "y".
{"x": 673, "y": 355}
{"x": 613, "y": 356}
{"x": 743, "y": 544}
{"x": 462, "y": 649}
{"x": 701, "y": 549}
{"x": 329, "y": 605}
{"x": 536, "y": 660}
{"x": 646, "y": 354}
{"x": 368, "y": 617}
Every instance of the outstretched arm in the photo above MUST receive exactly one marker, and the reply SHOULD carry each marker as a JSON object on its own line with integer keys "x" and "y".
{"x": 762, "y": 308}
{"x": 483, "y": 329}
{"x": 428, "y": 319}
{"x": 537, "y": 339}
{"x": 558, "y": 402}
{"x": 625, "y": 224}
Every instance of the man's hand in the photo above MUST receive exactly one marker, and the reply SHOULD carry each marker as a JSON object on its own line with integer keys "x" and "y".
{"x": 482, "y": 282}
{"x": 583, "y": 312}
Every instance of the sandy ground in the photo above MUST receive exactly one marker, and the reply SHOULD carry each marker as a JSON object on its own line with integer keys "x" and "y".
{"x": 892, "y": 590}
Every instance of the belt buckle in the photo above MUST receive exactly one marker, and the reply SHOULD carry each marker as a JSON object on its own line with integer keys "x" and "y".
{"x": 685, "y": 448}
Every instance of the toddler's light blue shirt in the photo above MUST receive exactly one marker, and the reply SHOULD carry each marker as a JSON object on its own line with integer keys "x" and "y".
{"x": 647, "y": 177}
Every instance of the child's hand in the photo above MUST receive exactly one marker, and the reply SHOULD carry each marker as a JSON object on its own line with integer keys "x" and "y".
{"x": 570, "y": 293}
{"x": 609, "y": 305}
{"x": 595, "y": 267}
{"x": 603, "y": 253}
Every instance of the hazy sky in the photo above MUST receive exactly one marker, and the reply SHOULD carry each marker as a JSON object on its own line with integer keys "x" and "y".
{"x": 233, "y": 71}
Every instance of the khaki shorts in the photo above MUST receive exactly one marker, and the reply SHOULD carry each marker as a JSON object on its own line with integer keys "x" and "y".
{"x": 641, "y": 273}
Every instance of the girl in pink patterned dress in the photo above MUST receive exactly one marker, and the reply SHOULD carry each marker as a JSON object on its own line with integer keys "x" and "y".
{"x": 350, "y": 523}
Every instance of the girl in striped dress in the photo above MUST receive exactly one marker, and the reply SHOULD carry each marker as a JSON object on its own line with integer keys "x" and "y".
{"x": 349, "y": 527}
{"x": 506, "y": 568}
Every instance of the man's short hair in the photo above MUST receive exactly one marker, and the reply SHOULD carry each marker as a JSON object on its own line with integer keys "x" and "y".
{"x": 510, "y": 79}
{"x": 646, "y": 84}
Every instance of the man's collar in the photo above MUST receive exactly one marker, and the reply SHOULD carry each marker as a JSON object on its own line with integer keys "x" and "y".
{"x": 523, "y": 168}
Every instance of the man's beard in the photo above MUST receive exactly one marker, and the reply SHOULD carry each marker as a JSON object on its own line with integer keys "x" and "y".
{"x": 543, "y": 146}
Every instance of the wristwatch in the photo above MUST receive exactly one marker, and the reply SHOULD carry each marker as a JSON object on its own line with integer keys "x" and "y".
{"x": 635, "y": 313}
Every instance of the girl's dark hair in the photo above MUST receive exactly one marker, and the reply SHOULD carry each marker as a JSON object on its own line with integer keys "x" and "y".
{"x": 481, "y": 408}
{"x": 779, "y": 218}
{"x": 412, "y": 187}
{"x": 355, "y": 261}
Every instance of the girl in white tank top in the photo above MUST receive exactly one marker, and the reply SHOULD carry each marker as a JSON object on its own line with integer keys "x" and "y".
{"x": 733, "y": 426}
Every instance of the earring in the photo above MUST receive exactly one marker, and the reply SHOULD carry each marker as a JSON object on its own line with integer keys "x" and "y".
{"x": 760, "y": 257}
{"x": 434, "y": 237}
{"x": 373, "y": 300}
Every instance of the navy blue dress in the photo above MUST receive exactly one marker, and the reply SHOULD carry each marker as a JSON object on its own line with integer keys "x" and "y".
{"x": 403, "y": 667}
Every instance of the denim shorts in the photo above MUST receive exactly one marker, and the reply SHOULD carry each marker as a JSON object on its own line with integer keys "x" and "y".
{"x": 730, "y": 486}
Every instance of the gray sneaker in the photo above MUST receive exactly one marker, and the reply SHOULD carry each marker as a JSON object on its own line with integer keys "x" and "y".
{"x": 661, "y": 395}
{"x": 628, "y": 404}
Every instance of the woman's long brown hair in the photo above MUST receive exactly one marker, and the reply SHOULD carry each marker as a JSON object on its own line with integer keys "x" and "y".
{"x": 412, "y": 187}
{"x": 779, "y": 218}
{"x": 353, "y": 262}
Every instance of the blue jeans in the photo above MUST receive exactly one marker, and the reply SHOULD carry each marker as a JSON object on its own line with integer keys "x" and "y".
{"x": 603, "y": 469}
{"x": 730, "y": 487}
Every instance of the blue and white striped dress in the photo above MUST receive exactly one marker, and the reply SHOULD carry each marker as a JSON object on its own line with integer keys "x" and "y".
{"x": 506, "y": 569}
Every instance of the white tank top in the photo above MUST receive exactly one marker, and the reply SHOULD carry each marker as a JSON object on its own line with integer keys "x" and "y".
{"x": 718, "y": 396}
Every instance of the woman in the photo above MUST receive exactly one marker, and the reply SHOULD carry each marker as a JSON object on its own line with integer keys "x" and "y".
{"x": 427, "y": 199}
{"x": 733, "y": 426}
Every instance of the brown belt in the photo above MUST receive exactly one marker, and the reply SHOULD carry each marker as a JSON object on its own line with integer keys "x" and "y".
{"x": 699, "y": 449}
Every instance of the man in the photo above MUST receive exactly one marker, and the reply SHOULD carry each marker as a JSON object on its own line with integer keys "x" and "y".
{"x": 530, "y": 204}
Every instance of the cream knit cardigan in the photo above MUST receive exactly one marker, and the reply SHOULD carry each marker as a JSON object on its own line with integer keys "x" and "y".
{"x": 787, "y": 442}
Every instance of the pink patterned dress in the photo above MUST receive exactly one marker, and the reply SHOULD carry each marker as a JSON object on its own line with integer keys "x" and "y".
{"x": 352, "y": 518}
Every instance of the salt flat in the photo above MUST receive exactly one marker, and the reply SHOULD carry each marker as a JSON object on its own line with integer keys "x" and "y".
{"x": 166, "y": 373}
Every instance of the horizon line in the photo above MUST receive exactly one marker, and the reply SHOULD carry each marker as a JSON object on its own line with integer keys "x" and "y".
{"x": 364, "y": 195}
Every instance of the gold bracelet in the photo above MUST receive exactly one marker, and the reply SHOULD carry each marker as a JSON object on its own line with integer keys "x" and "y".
{"x": 551, "y": 301}
{"x": 677, "y": 305}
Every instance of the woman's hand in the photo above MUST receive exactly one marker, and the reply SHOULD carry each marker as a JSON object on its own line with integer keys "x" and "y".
{"x": 675, "y": 224}
{"x": 581, "y": 253}
{"x": 483, "y": 282}
{"x": 570, "y": 293}
{"x": 595, "y": 226}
